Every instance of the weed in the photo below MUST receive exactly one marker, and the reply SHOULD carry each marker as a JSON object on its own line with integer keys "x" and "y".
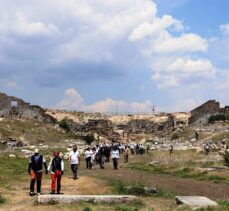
{"x": 52, "y": 202}
{"x": 164, "y": 194}
{"x": 226, "y": 158}
{"x": 125, "y": 208}
{"x": 224, "y": 204}
{"x": 87, "y": 209}
{"x": 2, "y": 199}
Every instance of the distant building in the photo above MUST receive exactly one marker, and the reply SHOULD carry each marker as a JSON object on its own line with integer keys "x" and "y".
{"x": 13, "y": 107}
{"x": 200, "y": 115}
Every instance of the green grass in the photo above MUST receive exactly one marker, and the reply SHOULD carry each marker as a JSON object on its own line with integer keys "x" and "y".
{"x": 13, "y": 170}
{"x": 221, "y": 136}
{"x": 33, "y": 130}
{"x": 185, "y": 172}
{"x": 2, "y": 199}
{"x": 87, "y": 209}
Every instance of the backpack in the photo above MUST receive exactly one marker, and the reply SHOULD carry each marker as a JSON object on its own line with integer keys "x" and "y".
{"x": 56, "y": 164}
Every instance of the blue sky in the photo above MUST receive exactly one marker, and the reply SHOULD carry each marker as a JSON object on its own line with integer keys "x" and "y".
{"x": 105, "y": 55}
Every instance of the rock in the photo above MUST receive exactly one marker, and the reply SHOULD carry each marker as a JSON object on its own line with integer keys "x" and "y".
{"x": 195, "y": 201}
{"x": 149, "y": 191}
{"x": 12, "y": 156}
{"x": 193, "y": 140}
{"x": 140, "y": 190}
{"x": 68, "y": 199}
{"x": 27, "y": 152}
{"x": 154, "y": 163}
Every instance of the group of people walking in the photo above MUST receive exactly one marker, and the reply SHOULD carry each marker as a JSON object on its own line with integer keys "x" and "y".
{"x": 100, "y": 154}
{"x": 96, "y": 155}
{"x": 56, "y": 167}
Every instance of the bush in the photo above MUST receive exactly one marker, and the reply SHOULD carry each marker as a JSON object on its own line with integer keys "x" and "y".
{"x": 226, "y": 158}
{"x": 2, "y": 199}
{"x": 88, "y": 139}
{"x": 174, "y": 136}
{"x": 87, "y": 209}
{"x": 218, "y": 117}
{"x": 64, "y": 124}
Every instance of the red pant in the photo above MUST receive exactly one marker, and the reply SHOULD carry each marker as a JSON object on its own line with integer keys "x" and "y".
{"x": 54, "y": 177}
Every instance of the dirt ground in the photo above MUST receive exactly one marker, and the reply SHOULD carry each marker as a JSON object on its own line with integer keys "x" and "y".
{"x": 18, "y": 197}
{"x": 96, "y": 182}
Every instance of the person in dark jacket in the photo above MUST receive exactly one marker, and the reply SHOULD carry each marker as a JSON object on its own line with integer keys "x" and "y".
{"x": 102, "y": 157}
{"x": 36, "y": 162}
{"x": 56, "y": 166}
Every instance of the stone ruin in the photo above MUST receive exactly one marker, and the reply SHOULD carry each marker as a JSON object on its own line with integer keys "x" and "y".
{"x": 13, "y": 107}
{"x": 199, "y": 116}
{"x": 119, "y": 132}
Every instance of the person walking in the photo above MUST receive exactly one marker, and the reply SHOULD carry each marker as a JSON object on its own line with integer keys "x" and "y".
{"x": 126, "y": 154}
{"x": 74, "y": 159}
{"x": 56, "y": 166}
{"x": 170, "y": 149}
{"x": 88, "y": 153}
{"x": 35, "y": 170}
{"x": 102, "y": 157}
{"x": 115, "y": 156}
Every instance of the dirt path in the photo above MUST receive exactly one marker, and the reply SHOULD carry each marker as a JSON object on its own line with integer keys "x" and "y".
{"x": 90, "y": 182}
{"x": 169, "y": 183}
{"x": 18, "y": 198}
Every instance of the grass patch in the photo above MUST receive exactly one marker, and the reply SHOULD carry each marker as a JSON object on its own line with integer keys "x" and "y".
{"x": 164, "y": 194}
{"x": 87, "y": 209}
{"x": 224, "y": 204}
{"x": 2, "y": 199}
{"x": 125, "y": 208}
{"x": 14, "y": 170}
{"x": 173, "y": 170}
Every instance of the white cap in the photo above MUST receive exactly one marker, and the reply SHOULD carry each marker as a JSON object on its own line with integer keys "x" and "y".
{"x": 36, "y": 150}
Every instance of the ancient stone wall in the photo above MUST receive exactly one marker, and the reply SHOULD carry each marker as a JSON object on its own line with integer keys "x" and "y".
{"x": 13, "y": 107}
{"x": 200, "y": 115}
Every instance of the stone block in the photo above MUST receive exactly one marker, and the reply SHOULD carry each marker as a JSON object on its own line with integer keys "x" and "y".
{"x": 195, "y": 201}
{"x": 68, "y": 199}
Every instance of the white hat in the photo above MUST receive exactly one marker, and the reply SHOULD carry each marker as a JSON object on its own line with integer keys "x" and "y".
{"x": 36, "y": 150}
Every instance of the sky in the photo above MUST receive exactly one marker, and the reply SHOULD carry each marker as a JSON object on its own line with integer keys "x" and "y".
{"x": 116, "y": 55}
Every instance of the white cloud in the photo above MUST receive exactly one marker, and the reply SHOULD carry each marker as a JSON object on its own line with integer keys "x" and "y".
{"x": 186, "y": 105}
{"x": 172, "y": 72}
{"x": 200, "y": 67}
{"x": 73, "y": 101}
{"x": 108, "y": 105}
{"x": 140, "y": 107}
{"x": 183, "y": 43}
{"x": 146, "y": 29}
{"x": 225, "y": 28}
{"x": 19, "y": 25}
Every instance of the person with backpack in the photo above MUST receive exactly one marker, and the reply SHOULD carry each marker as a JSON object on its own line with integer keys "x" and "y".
{"x": 56, "y": 166}
{"x": 35, "y": 171}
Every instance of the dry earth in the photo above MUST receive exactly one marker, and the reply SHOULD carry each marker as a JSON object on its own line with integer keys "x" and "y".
{"x": 96, "y": 182}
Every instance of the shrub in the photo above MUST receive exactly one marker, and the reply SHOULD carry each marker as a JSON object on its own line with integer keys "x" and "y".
{"x": 174, "y": 136}
{"x": 226, "y": 158}
{"x": 218, "y": 117}
{"x": 2, "y": 199}
{"x": 88, "y": 139}
{"x": 64, "y": 124}
{"x": 87, "y": 209}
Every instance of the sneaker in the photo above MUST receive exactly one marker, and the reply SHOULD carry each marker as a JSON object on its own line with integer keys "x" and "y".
{"x": 31, "y": 194}
{"x": 38, "y": 194}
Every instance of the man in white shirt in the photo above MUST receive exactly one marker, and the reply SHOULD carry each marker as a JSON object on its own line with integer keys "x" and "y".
{"x": 88, "y": 154}
{"x": 74, "y": 159}
{"x": 115, "y": 156}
